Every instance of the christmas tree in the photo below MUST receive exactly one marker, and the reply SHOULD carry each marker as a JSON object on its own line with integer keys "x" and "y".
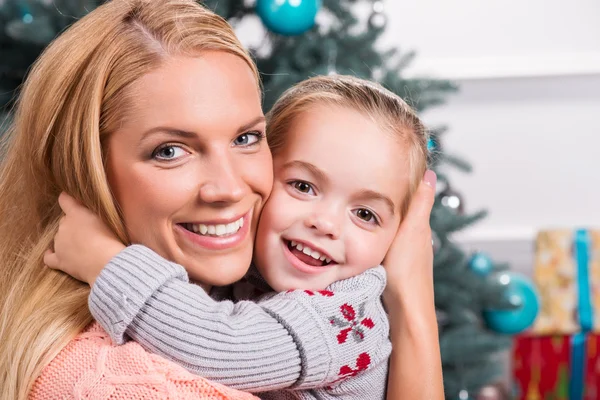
{"x": 339, "y": 42}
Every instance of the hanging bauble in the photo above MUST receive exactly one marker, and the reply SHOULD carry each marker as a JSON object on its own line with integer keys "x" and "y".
{"x": 481, "y": 264}
{"x": 288, "y": 17}
{"x": 522, "y": 295}
{"x": 431, "y": 145}
{"x": 463, "y": 395}
{"x": 378, "y": 19}
{"x": 451, "y": 200}
{"x": 492, "y": 392}
{"x": 442, "y": 318}
{"x": 435, "y": 242}
{"x": 38, "y": 30}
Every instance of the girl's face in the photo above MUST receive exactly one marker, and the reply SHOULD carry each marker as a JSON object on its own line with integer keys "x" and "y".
{"x": 189, "y": 165}
{"x": 335, "y": 207}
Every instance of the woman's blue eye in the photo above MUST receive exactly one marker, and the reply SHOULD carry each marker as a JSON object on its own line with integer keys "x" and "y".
{"x": 247, "y": 139}
{"x": 168, "y": 153}
{"x": 302, "y": 187}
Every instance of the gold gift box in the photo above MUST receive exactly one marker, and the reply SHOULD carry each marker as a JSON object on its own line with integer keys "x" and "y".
{"x": 555, "y": 275}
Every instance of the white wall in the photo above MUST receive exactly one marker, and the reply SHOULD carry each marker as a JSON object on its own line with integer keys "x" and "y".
{"x": 527, "y": 112}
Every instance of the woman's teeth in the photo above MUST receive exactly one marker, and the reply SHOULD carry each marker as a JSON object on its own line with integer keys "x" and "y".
{"x": 310, "y": 252}
{"x": 216, "y": 230}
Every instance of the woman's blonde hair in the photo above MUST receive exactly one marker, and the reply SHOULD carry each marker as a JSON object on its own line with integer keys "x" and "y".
{"x": 373, "y": 100}
{"x": 75, "y": 95}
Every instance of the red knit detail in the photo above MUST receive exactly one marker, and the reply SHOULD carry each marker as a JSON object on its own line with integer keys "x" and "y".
{"x": 326, "y": 293}
{"x": 362, "y": 363}
{"x": 348, "y": 312}
{"x": 343, "y": 335}
{"x": 368, "y": 322}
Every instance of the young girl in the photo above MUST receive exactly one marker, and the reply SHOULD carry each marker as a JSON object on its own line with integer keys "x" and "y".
{"x": 348, "y": 155}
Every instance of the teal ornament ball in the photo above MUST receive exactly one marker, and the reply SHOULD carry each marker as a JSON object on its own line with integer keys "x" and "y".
{"x": 481, "y": 264}
{"x": 522, "y": 294}
{"x": 431, "y": 144}
{"x": 288, "y": 17}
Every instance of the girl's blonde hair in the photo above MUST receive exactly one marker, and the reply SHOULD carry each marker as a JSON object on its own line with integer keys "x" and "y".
{"x": 373, "y": 100}
{"x": 75, "y": 95}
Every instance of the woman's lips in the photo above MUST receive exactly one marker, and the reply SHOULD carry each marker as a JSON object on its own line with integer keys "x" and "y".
{"x": 213, "y": 242}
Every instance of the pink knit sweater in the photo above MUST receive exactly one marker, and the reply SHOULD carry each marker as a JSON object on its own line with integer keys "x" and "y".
{"x": 91, "y": 367}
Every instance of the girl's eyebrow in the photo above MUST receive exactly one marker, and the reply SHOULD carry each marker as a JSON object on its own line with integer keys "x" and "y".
{"x": 313, "y": 169}
{"x": 373, "y": 195}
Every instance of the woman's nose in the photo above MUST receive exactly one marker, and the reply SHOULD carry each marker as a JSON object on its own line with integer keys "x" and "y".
{"x": 223, "y": 183}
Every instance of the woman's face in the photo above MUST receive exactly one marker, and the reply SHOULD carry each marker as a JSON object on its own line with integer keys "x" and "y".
{"x": 189, "y": 166}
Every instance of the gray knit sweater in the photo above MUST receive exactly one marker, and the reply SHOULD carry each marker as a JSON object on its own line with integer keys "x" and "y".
{"x": 298, "y": 344}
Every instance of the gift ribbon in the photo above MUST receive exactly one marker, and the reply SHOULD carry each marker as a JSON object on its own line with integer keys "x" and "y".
{"x": 586, "y": 315}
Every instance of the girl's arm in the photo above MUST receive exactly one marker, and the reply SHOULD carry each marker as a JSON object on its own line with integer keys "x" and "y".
{"x": 299, "y": 339}
{"x": 415, "y": 364}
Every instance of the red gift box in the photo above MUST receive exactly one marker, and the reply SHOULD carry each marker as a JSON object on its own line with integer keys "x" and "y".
{"x": 542, "y": 367}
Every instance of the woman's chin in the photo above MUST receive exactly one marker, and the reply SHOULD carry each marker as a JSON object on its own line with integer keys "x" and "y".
{"x": 222, "y": 271}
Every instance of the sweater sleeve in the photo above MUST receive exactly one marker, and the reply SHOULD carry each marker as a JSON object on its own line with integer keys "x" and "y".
{"x": 285, "y": 340}
{"x": 241, "y": 345}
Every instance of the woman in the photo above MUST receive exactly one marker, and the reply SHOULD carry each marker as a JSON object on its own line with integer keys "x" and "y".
{"x": 110, "y": 81}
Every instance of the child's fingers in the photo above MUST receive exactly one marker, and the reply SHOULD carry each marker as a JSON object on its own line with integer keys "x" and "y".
{"x": 51, "y": 259}
{"x": 66, "y": 202}
{"x": 422, "y": 202}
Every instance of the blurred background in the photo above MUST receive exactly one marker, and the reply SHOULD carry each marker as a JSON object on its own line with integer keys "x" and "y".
{"x": 509, "y": 90}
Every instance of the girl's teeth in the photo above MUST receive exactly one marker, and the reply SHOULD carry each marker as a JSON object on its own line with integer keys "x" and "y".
{"x": 309, "y": 252}
{"x": 212, "y": 229}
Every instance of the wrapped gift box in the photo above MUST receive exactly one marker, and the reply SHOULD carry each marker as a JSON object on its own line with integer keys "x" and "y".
{"x": 547, "y": 368}
{"x": 558, "y": 357}
{"x": 567, "y": 276}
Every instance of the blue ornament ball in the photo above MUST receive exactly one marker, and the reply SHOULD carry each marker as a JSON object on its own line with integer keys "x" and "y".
{"x": 522, "y": 294}
{"x": 288, "y": 17}
{"x": 481, "y": 264}
{"x": 431, "y": 145}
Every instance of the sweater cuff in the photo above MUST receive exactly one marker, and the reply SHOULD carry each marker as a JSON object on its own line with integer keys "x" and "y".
{"x": 316, "y": 354}
{"x": 124, "y": 286}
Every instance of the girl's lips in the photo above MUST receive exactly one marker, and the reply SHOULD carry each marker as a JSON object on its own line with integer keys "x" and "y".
{"x": 217, "y": 242}
{"x": 299, "y": 264}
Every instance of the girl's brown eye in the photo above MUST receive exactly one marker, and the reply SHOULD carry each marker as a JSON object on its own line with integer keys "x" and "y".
{"x": 302, "y": 187}
{"x": 365, "y": 215}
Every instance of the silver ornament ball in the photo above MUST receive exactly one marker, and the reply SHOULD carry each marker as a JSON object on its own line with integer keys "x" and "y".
{"x": 377, "y": 20}
{"x": 452, "y": 200}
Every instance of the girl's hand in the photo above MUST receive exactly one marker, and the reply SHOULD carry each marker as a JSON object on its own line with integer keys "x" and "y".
{"x": 83, "y": 244}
